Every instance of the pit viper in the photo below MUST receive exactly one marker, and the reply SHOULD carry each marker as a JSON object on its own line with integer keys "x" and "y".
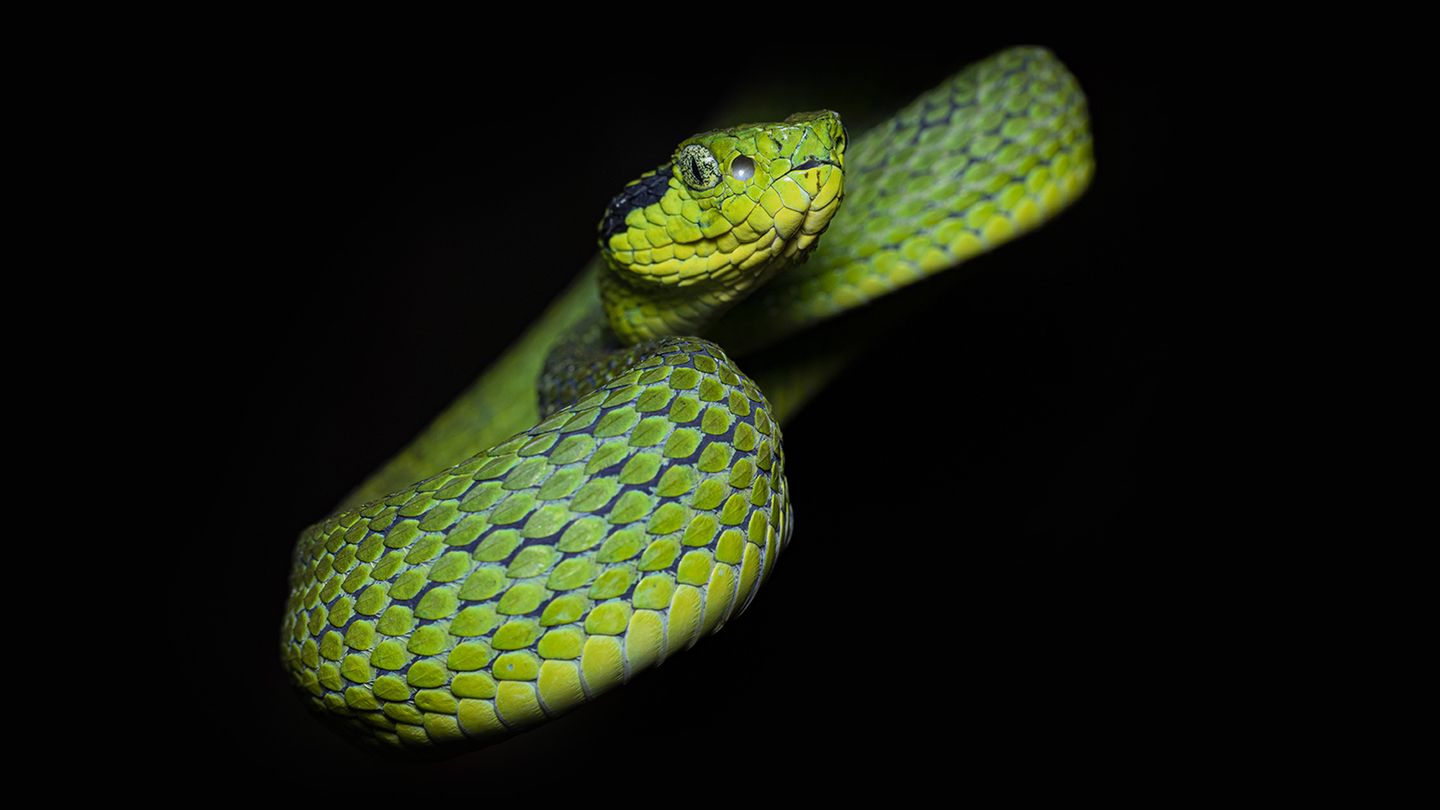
{"x": 612, "y": 489}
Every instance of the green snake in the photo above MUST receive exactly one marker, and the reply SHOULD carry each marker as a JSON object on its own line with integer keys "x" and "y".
{"x": 612, "y": 489}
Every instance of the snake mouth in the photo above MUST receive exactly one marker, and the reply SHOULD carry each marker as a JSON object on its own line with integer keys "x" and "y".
{"x": 815, "y": 163}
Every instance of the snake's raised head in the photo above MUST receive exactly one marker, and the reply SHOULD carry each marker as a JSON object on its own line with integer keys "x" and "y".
{"x": 688, "y": 240}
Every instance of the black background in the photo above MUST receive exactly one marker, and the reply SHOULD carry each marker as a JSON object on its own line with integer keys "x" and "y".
{"x": 989, "y": 572}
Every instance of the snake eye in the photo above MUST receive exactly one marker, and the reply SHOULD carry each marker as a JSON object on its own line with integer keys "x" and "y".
{"x": 742, "y": 168}
{"x": 698, "y": 168}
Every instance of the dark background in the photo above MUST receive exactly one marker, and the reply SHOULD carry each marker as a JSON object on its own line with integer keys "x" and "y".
{"x": 375, "y": 232}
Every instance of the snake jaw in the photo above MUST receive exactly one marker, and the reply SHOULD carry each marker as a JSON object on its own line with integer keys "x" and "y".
{"x": 687, "y": 241}
{"x": 827, "y": 178}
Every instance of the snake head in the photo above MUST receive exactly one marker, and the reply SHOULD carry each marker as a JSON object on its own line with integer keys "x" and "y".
{"x": 732, "y": 206}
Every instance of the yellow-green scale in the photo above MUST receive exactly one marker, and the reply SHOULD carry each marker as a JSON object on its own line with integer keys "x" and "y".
{"x": 555, "y": 564}
{"x": 548, "y": 569}
{"x": 997, "y": 150}
{"x": 924, "y": 193}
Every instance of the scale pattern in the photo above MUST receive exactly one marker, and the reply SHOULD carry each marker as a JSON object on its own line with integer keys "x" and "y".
{"x": 682, "y": 255}
{"x": 997, "y": 150}
{"x": 622, "y": 528}
{"x": 1029, "y": 117}
{"x": 549, "y": 569}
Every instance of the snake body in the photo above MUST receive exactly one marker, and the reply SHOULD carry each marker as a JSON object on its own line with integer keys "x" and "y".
{"x": 613, "y": 489}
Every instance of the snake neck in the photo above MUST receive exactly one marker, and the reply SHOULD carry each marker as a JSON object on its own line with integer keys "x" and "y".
{"x": 580, "y": 360}
{"x": 623, "y": 327}
{"x": 639, "y": 311}
{"x": 631, "y": 319}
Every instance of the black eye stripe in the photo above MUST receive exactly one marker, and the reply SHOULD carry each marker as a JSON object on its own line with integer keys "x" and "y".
{"x": 644, "y": 192}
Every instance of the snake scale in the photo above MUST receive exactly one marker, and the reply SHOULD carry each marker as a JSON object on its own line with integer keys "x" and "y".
{"x": 613, "y": 489}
